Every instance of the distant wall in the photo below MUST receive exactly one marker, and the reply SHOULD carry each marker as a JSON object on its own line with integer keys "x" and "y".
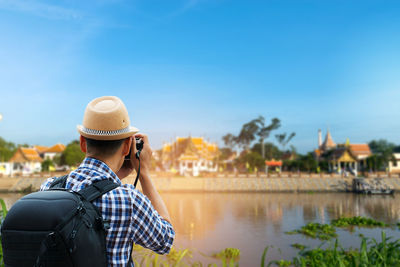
{"x": 305, "y": 184}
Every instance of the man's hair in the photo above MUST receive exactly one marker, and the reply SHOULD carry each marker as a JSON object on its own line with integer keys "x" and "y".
{"x": 103, "y": 148}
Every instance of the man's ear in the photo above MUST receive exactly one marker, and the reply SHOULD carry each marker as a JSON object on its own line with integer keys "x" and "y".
{"x": 82, "y": 142}
{"x": 126, "y": 146}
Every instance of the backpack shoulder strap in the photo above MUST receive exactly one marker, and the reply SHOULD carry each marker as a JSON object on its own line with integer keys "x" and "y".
{"x": 97, "y": 189}
{"x": 59, "y": 182}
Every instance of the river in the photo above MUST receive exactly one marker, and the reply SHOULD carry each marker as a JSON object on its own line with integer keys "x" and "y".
{"x": 209, "y": 222}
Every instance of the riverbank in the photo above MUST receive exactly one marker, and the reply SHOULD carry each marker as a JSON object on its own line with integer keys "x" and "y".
{"x": 226, "y": 184}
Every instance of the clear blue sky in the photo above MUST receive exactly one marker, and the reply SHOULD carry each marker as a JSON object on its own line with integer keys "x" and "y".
{"x": 202, "y": 67}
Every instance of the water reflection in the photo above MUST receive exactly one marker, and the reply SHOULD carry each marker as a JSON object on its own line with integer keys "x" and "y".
{"x": 209, "y": 222}
{"x": 250, "y": 221}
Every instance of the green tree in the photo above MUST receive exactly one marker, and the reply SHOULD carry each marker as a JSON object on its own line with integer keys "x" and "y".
{"x": 57, "y": 160}
{"x": 303, "y": 163}
{"x": 283, "y": 139}
{"x": 252, "y": 159}
{"x": 46, "y": 164}
{"x": 72, "y": 154}
{"x": 225, "y": 153}
{"x": 263, "y": 131}
{"x": 308, "y": 162}
{"x": 383, "y": 153}
{"x": 271, "y": 151}
{"x": 381, "y": 146}
{"x": 229, "y": 140}
{"x": 7, "y": 150}
{"x": 247, "y": 134}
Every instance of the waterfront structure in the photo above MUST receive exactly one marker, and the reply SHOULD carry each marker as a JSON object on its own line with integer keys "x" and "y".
{"x": 342, "y": 156}
{"x": 190, "y": 155}
{"x": 26, "y": 161}
{"x": 394, "y": 163}
{"x": 277, "y": 164}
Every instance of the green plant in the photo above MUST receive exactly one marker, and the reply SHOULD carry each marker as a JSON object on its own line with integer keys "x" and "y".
{"x": 3, "y": 215}
{"x": 357, "y": 221}
{"x": 298, "y": 246}
{"x": 316, "y": 230}
{"x": 229, "y": 257}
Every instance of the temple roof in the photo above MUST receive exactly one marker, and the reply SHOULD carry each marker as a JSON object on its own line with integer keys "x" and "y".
{"x": 58, "y": 148}
{"x": 343, "y": 154}
{"x": 189, "y": 148}
{"x": 360, "y": 149}
{"x": 41, "y": 149}
{"x": 328, "y": 143}
{"x": 24, "y": 154}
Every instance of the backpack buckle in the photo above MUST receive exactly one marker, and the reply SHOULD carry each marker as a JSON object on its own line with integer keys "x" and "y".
{"x": 106, "y": 224}
{"x": 51, "y": 240}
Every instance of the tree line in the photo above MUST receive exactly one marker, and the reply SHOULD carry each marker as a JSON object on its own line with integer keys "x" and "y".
{"x": 251, "y": 140}
{"x": 71, "y": 156}
{"x": 253, "y": 143}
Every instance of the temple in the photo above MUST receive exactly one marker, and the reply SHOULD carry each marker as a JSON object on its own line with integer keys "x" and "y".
{"x": 191, "y": 155}
{"x": 343, "y": 156}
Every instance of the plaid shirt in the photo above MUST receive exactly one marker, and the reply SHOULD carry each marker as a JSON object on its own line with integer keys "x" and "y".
{"x": 131, "y": 215}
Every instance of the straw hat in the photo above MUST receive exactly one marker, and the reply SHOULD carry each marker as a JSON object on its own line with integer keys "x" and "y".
{"x": 106, "y": 118}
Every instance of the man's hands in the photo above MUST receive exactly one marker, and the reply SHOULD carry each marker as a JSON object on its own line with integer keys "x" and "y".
{"x": 145, "y": 159}
{"x": 145, "y": 155}
{"x": 146, "y": 183}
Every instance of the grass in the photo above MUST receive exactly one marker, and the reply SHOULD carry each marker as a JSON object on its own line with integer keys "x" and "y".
{"x": 229, "y": 257}
{"x": 357, "y": 221}
{"x": 316, "y": 230}
{"x": 371, "y": 252}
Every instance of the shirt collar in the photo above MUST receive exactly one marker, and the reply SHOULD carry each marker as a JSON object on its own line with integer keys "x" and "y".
{"x": 100, "y": 167}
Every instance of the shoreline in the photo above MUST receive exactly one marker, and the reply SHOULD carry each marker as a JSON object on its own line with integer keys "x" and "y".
{"x": 218, "y": 185}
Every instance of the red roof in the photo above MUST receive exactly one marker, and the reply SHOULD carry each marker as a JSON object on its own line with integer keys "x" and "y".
{"x": 360, "y": 149}
{"x": 273, "y": 163}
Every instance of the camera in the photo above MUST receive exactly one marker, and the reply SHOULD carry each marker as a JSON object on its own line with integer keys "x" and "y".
{"x": 139, "y": 146}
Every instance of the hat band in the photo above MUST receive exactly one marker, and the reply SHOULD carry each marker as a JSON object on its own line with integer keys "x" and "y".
{"x": 101, "y": 132}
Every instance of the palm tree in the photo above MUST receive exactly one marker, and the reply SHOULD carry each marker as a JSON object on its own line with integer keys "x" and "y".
{"x": 281, "y": 138}
{"x": 229, "y": 140}
{"x": 247, "y": 134}
{"x": 263, "y": 131}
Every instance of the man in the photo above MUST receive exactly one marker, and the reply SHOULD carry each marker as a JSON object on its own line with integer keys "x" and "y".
{"x": 106, "y": 138}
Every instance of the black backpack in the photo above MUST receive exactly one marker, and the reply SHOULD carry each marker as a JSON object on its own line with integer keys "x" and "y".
{"x": 56, "y": 227}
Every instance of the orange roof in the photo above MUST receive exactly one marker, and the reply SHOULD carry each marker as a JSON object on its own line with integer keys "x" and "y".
{"x": 273, "y": 163}
{"x": 212, "y": 147}
{"x": 167, "y": 148}
{"x": 317, "y": 152}
{"x": 197, "y": 140}
{"x": 360, "y": 149}
{"x": 58, "y": 148}
{"x": 24, "y": 154}
{"x": 180, "y": 139}
{"x": 41, "y": 149}
{"x": 190, "y": 148}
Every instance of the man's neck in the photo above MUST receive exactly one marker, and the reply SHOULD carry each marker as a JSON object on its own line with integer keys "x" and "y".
{"x": 112, "y": 163}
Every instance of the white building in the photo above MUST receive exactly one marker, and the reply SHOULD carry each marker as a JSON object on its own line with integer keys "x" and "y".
{"x": 191, "y": 155}
{"x": 53, "y": 151}
{"x": 5, "y": 168}
{"x": 394, "y": 165}
{"x": 25, "y": 161}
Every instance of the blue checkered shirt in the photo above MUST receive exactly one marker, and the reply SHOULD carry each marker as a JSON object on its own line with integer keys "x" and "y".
{"x": 131, "y": 215}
